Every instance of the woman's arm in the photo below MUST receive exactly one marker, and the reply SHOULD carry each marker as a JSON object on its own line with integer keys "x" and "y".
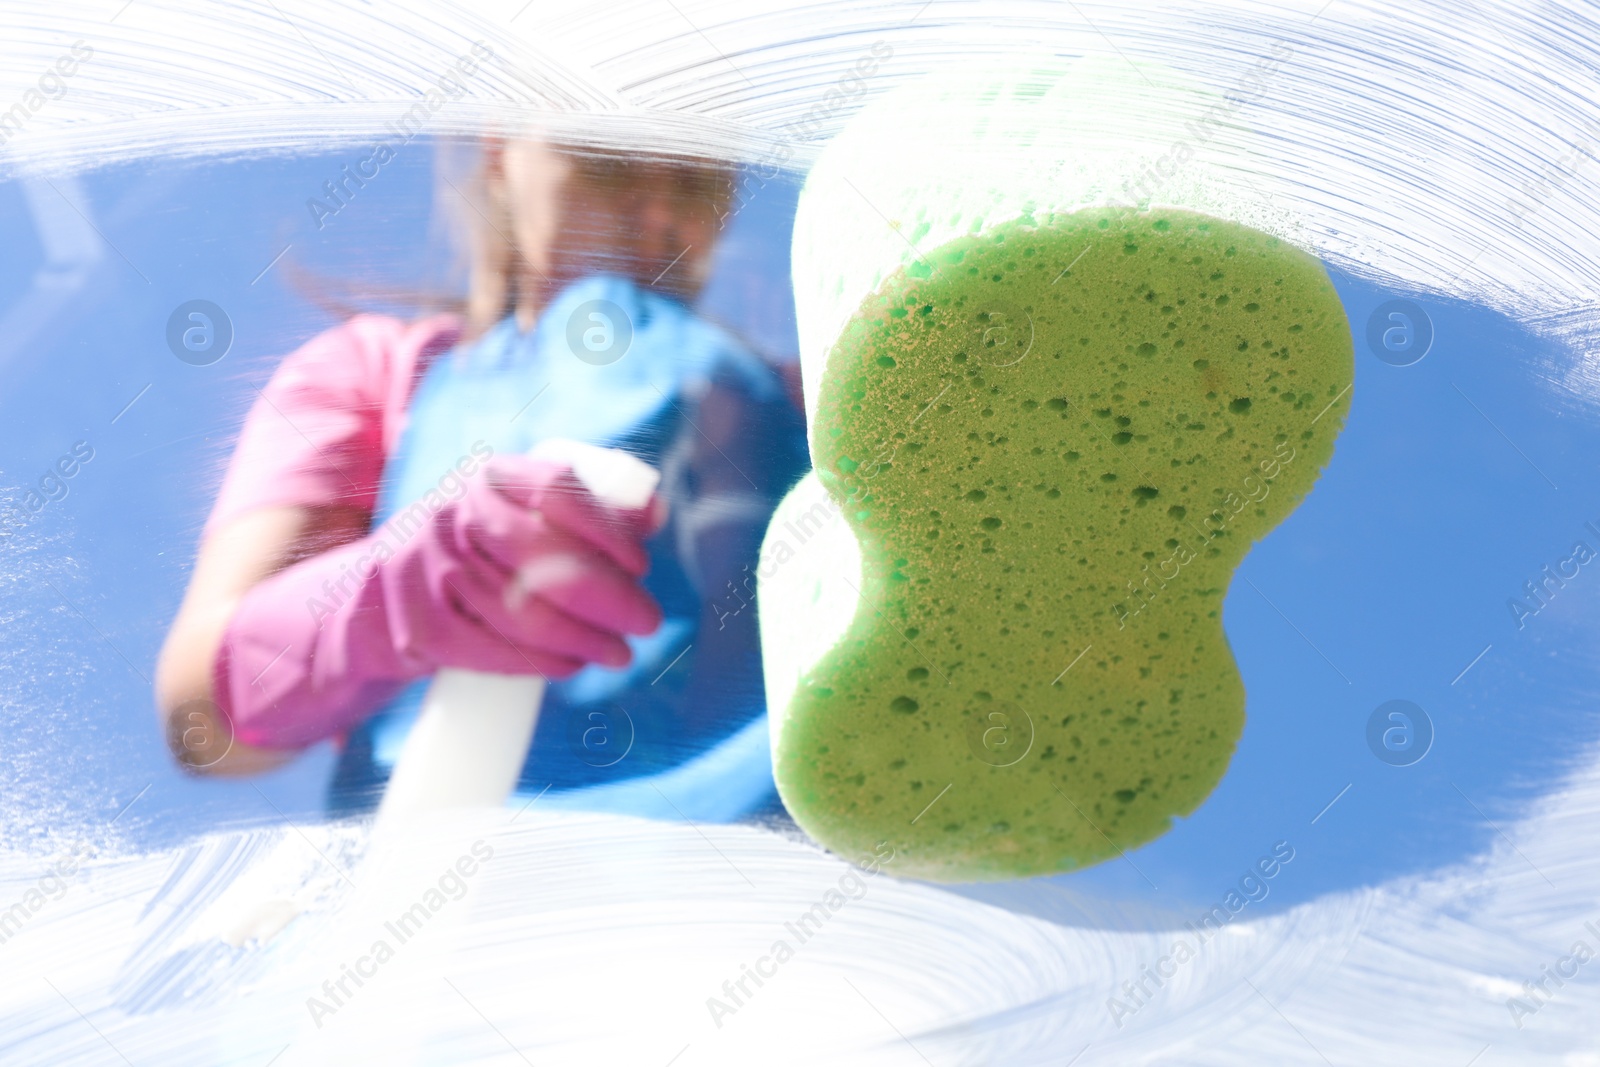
{"x": 303, "y": 479}
{"x": 234, "y": 557}
{"x": 299, "y": 621}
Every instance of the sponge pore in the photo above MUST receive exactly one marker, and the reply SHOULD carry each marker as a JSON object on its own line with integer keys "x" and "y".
{"x": 1052, "y": 443}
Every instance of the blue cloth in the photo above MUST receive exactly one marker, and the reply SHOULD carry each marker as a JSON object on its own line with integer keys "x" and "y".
{"x": 682, "y": 731}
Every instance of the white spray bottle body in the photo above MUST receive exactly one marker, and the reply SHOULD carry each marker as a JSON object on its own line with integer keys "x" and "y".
{"x": 472, "y": 735}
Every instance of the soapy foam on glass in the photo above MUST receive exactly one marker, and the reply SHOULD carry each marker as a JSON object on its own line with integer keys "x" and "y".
{"x": 1051, "y": 441}
{"x": 1439, "y": 200}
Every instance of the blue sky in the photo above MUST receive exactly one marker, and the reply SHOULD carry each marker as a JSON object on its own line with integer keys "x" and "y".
{"x": 1456, "y": 480}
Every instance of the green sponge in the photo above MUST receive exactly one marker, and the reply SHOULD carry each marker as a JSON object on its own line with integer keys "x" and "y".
{"x": 1042, "y": 451}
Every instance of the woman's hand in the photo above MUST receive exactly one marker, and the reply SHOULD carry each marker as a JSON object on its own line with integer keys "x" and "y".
{"x": 529, "y": 572}
{"x": 526, "y": 571}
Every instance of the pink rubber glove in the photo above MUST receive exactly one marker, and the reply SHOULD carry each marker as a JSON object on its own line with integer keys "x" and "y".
{"x": 527, "y": 572}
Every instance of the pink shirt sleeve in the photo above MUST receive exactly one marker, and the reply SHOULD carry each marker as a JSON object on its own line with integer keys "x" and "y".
{"x": 320, "y": 431}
